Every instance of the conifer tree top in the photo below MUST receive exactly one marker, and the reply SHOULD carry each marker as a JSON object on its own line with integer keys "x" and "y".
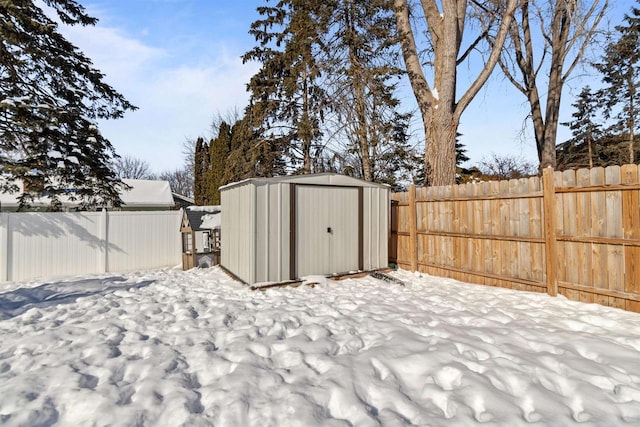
{"x": 50, "y": 99}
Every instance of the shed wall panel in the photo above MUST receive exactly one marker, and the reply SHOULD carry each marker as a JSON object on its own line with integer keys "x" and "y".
{"x": 272, "y": 232}
{"x": 262, "y": 233}
{"x": 274, "y": 244}
{"x": 376, "y": 228}
{"x": 285, "y": 227}
{"x": 278, "y": 232}
{"x": 237, "y": 238}
{"x": 4, "y": 246}
{"x": 369, "y": 202}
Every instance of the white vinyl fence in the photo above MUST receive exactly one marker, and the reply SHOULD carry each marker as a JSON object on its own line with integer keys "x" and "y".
{"x": 60, "y": 244}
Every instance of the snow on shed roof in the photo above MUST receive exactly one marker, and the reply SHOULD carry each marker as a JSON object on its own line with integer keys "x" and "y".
{"x": 203, "y": 217}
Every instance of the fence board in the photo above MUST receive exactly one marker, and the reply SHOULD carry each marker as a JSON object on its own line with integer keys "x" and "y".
{"x": 598, "y": 229}
{"x": 631, "y": 229}
{"x": 583, "y": 218}
{"x": 615, "y": 259}
{"x": 4, "y": 246}
{"x": 569, "y": 229}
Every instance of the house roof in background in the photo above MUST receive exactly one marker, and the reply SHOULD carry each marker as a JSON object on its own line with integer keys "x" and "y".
{"x": 179, "y": 198}
{"x": 147, "y": 193}
{"x": 143, "y": 194}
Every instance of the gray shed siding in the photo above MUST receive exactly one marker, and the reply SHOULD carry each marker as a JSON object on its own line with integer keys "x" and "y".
{"x": 272, "y": 232}
{"x": 376, "y": 227}
{"x": 237, "y": 240}
{"x": 256, "y": 224}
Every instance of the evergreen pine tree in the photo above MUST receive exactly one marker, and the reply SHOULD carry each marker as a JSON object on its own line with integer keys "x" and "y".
{"x": 287, "y": 100}
{"x": 200, "y": 172}
{"x": 219, "y": 150}
{"x": 360, "y": 47}
{"x": 400, "y": 163}
{"x": 324, "y": 96}
{"x": 50, "y": 99}
{"x": 581, "y": 150}
{"x": 240, "y": 164}
{"x": 620, "y": 67}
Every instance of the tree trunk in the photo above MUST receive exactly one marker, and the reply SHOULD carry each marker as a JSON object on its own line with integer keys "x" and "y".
{"x": 362, "y": 135}
{"x": 440, "y": 152}
{"x": 547, "y": 155}
{"x": 559, "y": 36}
{"x": 632, "y": 122}
{"x": 539, "y": 128}
{"x": 439, "y": 107}
{"x": 358, "y": 92}
{"x": 571, "y": 29}
{"x": 589, "y": 137}
{"x": 304, "y": 127}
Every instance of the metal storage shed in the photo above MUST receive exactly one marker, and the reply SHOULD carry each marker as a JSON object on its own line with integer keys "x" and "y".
{"x": 284, "y": 228}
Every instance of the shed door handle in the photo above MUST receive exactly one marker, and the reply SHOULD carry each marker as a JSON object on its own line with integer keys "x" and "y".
{"x": 329, "y": 230}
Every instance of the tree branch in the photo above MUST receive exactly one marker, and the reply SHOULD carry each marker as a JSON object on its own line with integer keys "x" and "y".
{"x": 433, "y": 17}
{"x": 472, "y": 46}
{"x": 417, "y": 79}
{"x": 587, "y": 37}
{"x": 507, "y": 18}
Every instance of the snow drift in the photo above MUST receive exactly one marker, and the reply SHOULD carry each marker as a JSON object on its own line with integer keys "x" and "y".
{"x": 196, "y": 348}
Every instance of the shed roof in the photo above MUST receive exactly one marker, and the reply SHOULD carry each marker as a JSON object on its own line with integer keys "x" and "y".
{"x": 203, "y": 217}
{"x": 326, "y": 178}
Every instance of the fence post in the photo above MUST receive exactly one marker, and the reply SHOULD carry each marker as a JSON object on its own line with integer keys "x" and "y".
{"x": 4, "y": 245}
{"x": 551, "y": 250}
{"x": 413, "y": 225}
{"x": 103, "y": 244}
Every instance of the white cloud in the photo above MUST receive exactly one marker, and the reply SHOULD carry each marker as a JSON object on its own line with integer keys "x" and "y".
{"x": 176, "y": 101}
{"x": 115, "y": 54}
{"x": 175, "y": 104}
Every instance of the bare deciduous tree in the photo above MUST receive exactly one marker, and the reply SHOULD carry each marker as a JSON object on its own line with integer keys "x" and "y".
{"x": 230, "y": 116}
{"x": 566, "y": 29}
{"x": 505, "y": 166}
{"x": 127, "y": 167}
{"x": 446, "y": 21}
{"x": 180, "y": 180}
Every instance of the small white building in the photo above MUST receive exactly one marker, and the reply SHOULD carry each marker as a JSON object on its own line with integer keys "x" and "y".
{"x": 285, "y": 228}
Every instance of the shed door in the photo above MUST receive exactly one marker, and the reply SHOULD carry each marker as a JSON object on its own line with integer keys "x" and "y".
{"x": 327, "y": 232}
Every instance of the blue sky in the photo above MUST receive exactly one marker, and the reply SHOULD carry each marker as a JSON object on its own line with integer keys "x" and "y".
{"x": 179, "y": 62}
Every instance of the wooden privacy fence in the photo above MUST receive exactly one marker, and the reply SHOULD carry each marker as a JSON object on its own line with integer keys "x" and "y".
{"x": 576, "y": 233}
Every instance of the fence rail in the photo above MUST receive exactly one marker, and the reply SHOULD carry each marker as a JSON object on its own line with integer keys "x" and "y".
{"x": 59, "y": 244}
{"x": 574, "y": 233}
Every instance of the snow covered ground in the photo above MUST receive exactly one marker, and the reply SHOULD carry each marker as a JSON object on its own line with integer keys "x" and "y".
{"x": 196, "y": 348}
